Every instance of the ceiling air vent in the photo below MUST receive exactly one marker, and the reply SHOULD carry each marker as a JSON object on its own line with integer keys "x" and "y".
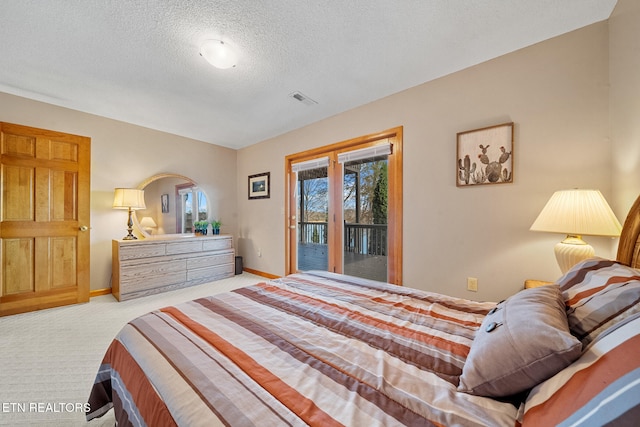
{"x": 299, "y": 96}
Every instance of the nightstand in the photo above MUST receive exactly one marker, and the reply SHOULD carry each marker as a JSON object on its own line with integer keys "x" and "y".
{"x": 529, "y": 283}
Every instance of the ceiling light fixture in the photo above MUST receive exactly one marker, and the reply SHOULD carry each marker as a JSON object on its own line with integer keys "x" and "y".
{"x": 218, "y": 53}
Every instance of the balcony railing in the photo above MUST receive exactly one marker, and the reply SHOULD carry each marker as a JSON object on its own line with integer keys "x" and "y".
{"x": 367, "y": 239}
{"x": 312, "y": 232}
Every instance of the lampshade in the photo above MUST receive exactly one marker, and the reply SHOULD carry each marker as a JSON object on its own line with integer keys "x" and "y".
{"x": 130, "y": 199}
{"x": 148, "y": 222}
{"x": 218, "y": 53}
{"x": 576, "y": 213}
{"x": 125, "y": 198}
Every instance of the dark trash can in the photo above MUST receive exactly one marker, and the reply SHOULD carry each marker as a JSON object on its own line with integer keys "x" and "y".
{"x": 238, "y": 265}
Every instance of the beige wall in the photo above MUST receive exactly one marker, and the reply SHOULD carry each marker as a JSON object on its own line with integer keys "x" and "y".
{"x": 124, "y": 155}
{"x": 557, "y": 94}
{"x": 624, "y": 60}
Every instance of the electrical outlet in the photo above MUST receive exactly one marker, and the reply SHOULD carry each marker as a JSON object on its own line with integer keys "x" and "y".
{"x": 259, "y": 253}
{"x": 472, "y": 284}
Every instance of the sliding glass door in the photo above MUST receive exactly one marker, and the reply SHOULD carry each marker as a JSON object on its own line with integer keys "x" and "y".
{"x": 342, "y": 214}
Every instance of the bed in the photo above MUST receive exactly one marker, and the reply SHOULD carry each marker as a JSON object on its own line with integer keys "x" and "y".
{"x": 318, "y": 348}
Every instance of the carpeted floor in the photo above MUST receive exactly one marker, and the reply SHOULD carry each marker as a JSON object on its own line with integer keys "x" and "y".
{"x": 49, "y": 358}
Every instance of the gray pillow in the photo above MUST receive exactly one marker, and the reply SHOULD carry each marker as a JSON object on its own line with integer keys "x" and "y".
{"x": 522, "y": 342}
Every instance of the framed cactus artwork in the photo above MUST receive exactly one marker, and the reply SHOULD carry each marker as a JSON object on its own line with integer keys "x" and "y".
{"x": 485, "y": 156}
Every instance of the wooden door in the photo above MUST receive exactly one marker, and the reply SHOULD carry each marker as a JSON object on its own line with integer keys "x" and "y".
{"x": 44, "y": 218}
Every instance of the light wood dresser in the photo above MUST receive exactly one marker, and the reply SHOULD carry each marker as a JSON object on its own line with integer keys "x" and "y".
{"x": 150, "y": 266}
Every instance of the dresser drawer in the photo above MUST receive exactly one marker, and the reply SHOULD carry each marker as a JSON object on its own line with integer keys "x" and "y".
{"x": 211, "y": 260}
{"x": 151, "y": 283}
{"x": 142, "y": 251}
{"x": 216, "y": 244}
{"x": 152, "y": 269}
{"x": 211, "y": 273}
{"x": 184, "y": 247}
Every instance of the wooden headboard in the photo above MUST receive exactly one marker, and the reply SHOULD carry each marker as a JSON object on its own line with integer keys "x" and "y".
{"x": 629, "y": 246}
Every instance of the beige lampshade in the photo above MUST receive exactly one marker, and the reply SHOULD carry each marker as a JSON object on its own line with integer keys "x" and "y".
{"x": 578, "y": 213}
{"x": 125, "y": 198}
{"x": 148, "y": 222}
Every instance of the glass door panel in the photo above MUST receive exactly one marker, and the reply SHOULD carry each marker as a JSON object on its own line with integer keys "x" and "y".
{"x": 201, "y": 199}
{"x": 312, "y": 199}
{"x": 193, "y": 207}
{"x": 187, "y": 212}
{"x": 365, "y": 194}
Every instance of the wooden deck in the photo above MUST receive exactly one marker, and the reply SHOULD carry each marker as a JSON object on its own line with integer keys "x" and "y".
{"x": 313, "y": 256}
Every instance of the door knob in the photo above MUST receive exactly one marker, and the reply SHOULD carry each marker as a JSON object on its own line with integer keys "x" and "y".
{"x": 84, "y": 228}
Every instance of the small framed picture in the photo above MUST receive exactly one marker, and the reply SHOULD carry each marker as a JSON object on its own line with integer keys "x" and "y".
{"x": 259, "y": 186}
{"x": 485, "y": 156}
{"x": 164, "y": 202}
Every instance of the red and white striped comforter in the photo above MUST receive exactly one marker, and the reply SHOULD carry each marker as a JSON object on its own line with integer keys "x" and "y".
{"x": 307, "y": 349}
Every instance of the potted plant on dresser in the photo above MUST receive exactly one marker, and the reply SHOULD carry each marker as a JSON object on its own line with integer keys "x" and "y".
{"x": 201, "y": 227}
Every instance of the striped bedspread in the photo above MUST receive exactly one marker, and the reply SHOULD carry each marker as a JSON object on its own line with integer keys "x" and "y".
{"x": 602, "y": 388}
{"x": 308, "y": 349}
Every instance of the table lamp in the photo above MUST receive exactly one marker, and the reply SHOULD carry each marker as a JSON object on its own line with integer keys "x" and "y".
{"x": 576, "y": 213}
{"x": 148, "y": 224}
{"x": 131, "y": 199}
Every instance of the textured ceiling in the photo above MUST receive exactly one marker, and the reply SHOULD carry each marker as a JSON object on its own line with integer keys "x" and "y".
{"x": 138, "y": 62}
